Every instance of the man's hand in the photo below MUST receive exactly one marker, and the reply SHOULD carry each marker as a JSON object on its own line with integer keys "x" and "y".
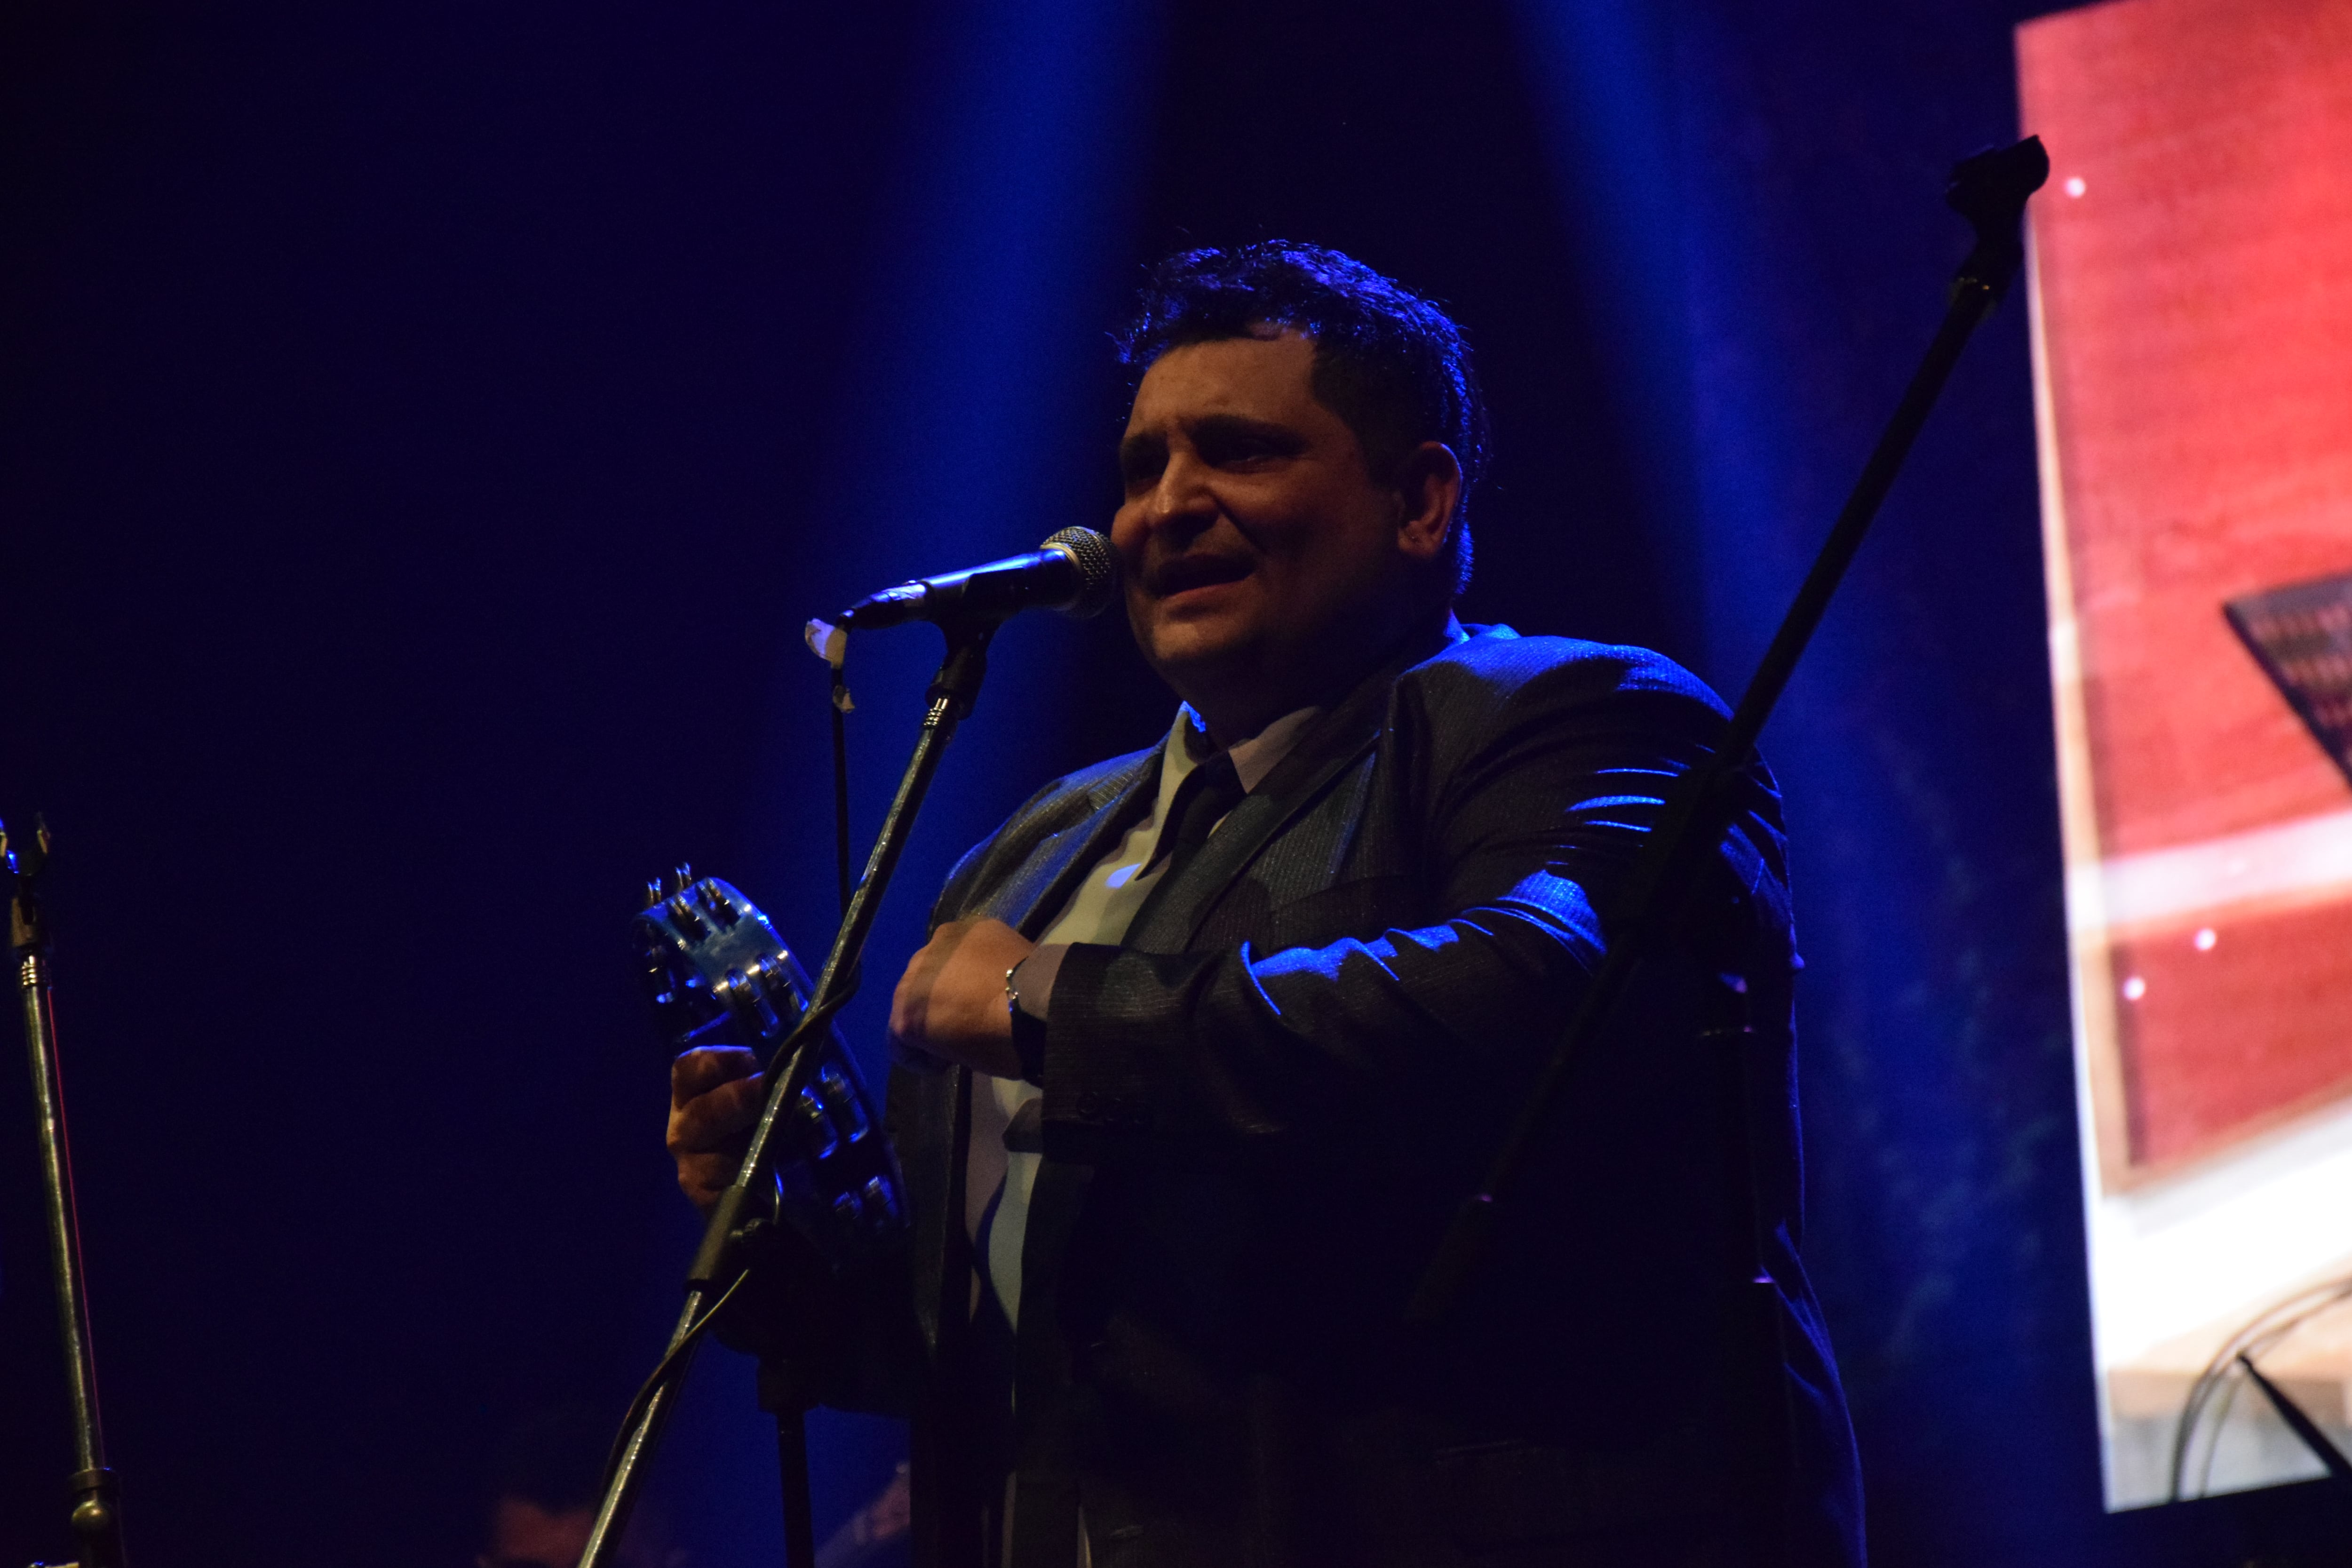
{"x": 715, "y": 1094}
{"x": 950, "y": 1001}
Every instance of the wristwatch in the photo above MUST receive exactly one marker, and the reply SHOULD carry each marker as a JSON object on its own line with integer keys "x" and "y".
{"x": 1028, "y": 1031}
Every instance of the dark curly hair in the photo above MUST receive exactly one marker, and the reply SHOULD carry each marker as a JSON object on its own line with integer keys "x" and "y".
{"x": 1389, "y": 362}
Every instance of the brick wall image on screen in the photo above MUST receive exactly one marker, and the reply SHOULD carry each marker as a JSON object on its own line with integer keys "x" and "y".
{"x": 2191, "y": 291}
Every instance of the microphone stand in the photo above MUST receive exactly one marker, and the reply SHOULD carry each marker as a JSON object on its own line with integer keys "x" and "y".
{"x": 737, "y": 1216}
{"x": 97, "y": 1516}
{"x": 1990, "y": 190}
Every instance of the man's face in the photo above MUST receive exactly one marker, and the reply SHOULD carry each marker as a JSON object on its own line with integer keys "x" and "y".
{"x": 1261, "y": 556}
{"x": 525, "y": 1535}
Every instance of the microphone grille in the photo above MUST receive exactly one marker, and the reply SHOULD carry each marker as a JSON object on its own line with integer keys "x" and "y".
{"x": 1091, "y": 553}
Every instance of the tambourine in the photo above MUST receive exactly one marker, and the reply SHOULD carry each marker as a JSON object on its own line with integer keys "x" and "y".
{"x": 720, "y": 975}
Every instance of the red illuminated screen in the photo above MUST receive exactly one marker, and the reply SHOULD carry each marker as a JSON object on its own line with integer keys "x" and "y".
{"x": 2197, "y": 332}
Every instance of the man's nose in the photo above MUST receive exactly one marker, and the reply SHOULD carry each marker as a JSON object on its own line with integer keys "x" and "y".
{"x": 1183, "y": 499}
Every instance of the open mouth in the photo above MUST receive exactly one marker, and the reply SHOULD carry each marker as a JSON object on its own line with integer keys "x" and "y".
{"x": 1183, "y": 574}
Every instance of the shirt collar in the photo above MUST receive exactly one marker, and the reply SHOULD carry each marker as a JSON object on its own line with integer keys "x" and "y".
{"x": 1189, "y": 746}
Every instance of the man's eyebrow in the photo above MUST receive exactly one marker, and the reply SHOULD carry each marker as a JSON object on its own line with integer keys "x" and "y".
{"x": 1231, "y": 427}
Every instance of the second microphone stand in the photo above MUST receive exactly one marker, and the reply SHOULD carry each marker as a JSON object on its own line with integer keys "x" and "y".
{"x": 97, "y": 1516}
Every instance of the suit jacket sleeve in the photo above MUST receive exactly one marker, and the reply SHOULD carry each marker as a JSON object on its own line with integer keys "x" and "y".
{"x": 1530, "y": 797}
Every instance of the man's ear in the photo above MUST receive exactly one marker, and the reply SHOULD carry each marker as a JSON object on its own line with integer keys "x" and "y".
{"x": 1429, "y": 487}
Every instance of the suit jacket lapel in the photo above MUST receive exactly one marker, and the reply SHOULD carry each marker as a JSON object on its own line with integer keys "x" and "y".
{"x": 1061, "y": 860}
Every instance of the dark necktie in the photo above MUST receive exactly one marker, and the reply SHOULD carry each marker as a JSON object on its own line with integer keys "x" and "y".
{"x": 1207, "y": 793}
{"x": 1201, "y": 802}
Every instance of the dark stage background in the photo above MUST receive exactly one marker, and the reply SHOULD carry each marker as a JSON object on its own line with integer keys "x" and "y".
{"x": 427, "y": 426}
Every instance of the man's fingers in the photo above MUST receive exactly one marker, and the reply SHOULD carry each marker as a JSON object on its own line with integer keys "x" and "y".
{"x": 911, "y": 1003}
{"x": 697, "y": 1072}
{"x": 950, "y": 1004}
{"x": 702, "y": 1177}
{"x": 911, "y": 999}
{"x": 717, "y": 1117}
{"x": 907, "y": 1003}
{"x": 715, "y": 1096}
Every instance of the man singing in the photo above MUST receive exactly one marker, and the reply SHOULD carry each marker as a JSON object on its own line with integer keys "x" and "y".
{"x": 1240, "y": 1017}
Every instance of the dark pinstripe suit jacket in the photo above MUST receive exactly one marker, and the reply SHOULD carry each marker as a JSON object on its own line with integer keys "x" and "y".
{"x": 1260, "y": 1109}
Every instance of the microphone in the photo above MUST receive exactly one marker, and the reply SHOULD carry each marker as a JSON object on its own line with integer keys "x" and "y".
{"x": 1073, "y": 571}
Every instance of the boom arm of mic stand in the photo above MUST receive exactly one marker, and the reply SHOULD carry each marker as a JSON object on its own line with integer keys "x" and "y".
{"x": 1990, "y": 190}
{"x": 953, "y": 694}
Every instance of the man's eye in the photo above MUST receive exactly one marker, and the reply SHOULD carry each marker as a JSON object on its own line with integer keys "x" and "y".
{"x": 1239, "y": 449}
{"x": 1141, "y": 466}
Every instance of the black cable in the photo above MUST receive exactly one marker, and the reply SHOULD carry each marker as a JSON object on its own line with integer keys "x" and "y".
{"x": 2259, "y": 1336}
{"x": 820, "y": 1016}
{"x": 663, "y": 1371}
